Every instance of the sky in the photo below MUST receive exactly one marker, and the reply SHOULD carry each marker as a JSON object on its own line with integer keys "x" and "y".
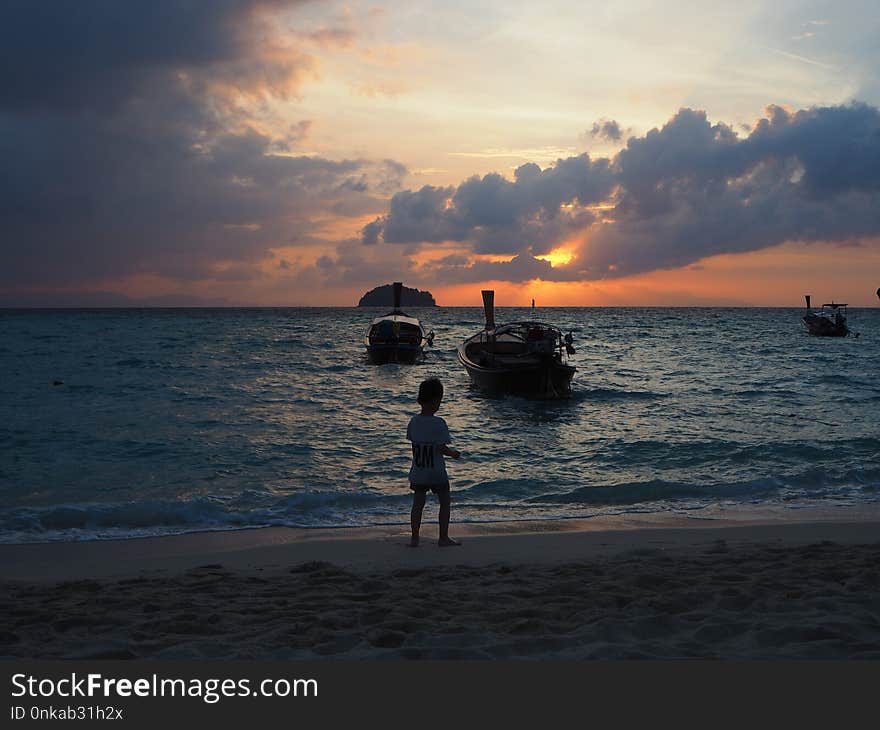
{"x": 294, "y": 152}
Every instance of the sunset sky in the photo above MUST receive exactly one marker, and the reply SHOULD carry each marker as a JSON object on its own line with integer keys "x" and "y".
{"x": 284, "y": 152}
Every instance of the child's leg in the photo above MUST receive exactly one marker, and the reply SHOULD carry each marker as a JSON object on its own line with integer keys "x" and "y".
{"x": 445, "y": 501}
{"x": 415, "y": 516}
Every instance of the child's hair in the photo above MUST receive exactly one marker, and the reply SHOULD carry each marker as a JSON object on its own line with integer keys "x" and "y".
{"x": 430, "y": 389}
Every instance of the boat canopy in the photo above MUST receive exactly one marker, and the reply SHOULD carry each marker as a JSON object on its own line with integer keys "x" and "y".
{"x": 520, "y": 330}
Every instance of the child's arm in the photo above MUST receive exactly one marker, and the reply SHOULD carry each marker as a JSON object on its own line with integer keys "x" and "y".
{"x": 449, "y": 451}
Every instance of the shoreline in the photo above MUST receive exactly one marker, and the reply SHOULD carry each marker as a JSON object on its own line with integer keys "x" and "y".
{"x": 639, "y": 587}
{"x": 365, "y": 549}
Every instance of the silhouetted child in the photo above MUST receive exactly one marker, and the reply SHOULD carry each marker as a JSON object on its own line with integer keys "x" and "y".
{"x": 430, "y": 436}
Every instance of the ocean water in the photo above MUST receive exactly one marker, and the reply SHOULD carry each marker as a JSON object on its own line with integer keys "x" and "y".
{"x": 172, "y": 421}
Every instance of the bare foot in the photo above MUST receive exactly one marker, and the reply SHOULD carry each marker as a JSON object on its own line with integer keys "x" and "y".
{"x": 413, "y": 542}
{"x": 448, "y": 542}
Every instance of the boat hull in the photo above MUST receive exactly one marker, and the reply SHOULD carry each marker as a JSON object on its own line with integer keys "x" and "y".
{"x": 548, "y": 379}
{"x": 822, "y": 327}
{"x": 396, "y": 338}
{"x": 382, "y": 354}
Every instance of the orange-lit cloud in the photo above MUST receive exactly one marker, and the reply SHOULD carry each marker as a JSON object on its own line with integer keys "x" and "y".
{"x": 777, "y": 277}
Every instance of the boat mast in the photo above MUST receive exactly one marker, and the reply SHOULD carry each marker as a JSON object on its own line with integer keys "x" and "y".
{"x": 489, "y": 307}
{"x": 398, "y": 291}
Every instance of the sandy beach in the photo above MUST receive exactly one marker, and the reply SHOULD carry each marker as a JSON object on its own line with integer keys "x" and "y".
{"x": 615, "y": 588}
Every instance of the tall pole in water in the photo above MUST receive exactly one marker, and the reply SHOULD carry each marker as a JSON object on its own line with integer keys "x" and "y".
{"x": 533, "y": 303}
{"x": 489, "y": 307}
{"x": 807, "y": 297}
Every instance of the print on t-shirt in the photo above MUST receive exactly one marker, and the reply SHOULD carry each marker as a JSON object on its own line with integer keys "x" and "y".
{"x": 428, "y": 435}
{"x": 423, "y": 455}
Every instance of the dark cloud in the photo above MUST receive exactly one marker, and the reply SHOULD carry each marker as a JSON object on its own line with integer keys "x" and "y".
{"x": 417, "y": 216}
{"x": 87, "y": 200}
{"x": 607, "y": 129}
{"x": 92, "y": 298}
{"x": 95, "y": 54}
{"x": 371, "y": 231}
{"x": 692, "y": 189}
{"x": 353, "y": 265}
{"x": 125, "y": 151}
{"x": 520, "y": 268}
{"x": 672, "y": 197}
{"x": 497, "y": 215}
{"x": 839, "y": 147}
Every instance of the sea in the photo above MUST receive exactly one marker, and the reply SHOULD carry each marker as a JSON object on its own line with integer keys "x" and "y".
{"x": 120, "y": 423}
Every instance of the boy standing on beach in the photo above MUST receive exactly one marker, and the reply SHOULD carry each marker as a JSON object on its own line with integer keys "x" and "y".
{"x": 430, "y": 436}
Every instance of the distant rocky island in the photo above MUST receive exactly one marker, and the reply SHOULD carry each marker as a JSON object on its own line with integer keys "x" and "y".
{"x": 383, "y": 296}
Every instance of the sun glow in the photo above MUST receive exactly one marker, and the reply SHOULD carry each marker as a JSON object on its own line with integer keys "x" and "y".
{"x": 559, "y": 256}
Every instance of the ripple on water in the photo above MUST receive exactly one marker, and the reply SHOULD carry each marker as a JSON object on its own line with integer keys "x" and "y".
{"x": 282, "y": 425}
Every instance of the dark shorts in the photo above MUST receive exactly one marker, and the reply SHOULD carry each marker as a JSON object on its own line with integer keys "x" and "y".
{"x": 438, "y": 489}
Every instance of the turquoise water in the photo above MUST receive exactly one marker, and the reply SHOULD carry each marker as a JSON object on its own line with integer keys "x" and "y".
{"x": 183, "y": 420}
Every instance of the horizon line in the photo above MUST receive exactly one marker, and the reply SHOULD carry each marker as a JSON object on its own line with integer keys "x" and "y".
{"x": 4, "y": 308}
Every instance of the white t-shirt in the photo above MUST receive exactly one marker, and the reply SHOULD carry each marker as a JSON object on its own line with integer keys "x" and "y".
{"x": 428, "y": 434}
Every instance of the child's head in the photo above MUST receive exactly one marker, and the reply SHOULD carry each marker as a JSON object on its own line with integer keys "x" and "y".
{"x": 430, "y": 394}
